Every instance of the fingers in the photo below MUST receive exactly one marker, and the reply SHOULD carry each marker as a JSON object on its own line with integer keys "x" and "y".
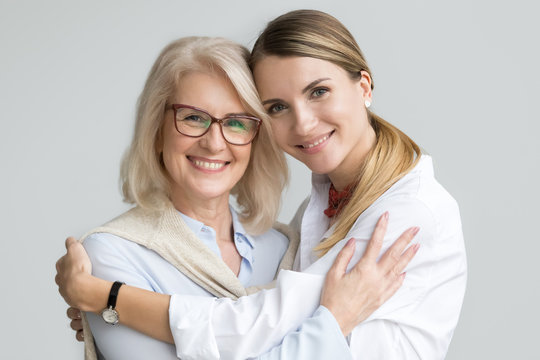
{"x": 339, "y": 267}
{"x": 79, "y": 335}
{"x": 70, "y": 241}
{"x": 73, "y": 313}
{"x": 58, "y": 264}
{"x": 374, "y": 246}
{"x": 76, "y": 324}
{"x": 405, "y": 259}
{"x": 393, "y": 255}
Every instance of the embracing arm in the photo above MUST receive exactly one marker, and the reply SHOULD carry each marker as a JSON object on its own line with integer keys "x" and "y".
{"x": 113, "y": 258}
{"x": 143, "y": 310}
{"x": 416, "y": 323}
{"x": 254, "y": 324}
{"x": 146, "y": 311}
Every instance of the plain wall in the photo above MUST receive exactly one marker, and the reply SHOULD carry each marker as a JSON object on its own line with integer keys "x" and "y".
{"x": 460, "y": 77}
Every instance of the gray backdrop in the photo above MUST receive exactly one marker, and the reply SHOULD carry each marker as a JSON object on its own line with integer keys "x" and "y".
{"x": 460, "y": 77}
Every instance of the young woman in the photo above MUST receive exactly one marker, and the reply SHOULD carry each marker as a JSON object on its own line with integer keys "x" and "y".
{"x": 317, "y": 88}
{"x": 201, "y": 134}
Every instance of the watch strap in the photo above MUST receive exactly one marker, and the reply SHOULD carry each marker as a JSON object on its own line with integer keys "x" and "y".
{"x": 113, "y": 295}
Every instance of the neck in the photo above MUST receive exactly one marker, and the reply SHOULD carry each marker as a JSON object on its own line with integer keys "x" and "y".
{"x": 213, "y": 212}
{"x": 347, "y": 172}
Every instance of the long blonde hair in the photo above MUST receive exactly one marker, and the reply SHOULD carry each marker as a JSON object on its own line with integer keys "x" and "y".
{"x": 312, "y": 33}
{"x": 143, "y": 176}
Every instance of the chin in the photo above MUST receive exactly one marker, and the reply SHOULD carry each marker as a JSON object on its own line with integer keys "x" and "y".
{"x": 320, "y": 168}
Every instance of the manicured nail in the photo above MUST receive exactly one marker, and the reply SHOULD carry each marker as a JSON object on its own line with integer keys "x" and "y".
{"x": 385, "y": 215}
{"x": 415, "y": 230}
{"x": 416, "y": 247}
{"x": 350, "y": 242}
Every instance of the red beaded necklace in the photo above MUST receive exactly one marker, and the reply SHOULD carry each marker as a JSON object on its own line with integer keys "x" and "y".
{"x": 337, "y": 200}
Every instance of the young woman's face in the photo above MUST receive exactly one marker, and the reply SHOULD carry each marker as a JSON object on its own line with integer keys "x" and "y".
{"x": 318, "y": 113}
{"x": 206, "y": 167}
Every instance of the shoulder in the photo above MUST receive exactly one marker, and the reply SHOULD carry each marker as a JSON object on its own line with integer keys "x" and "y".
{"x": 109, "y": 249}
{"x": 415, "y": 200}
{"x": 105, "y": 246}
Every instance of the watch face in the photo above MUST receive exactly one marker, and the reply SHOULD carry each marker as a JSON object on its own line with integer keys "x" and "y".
{"x": 110, "y": 316}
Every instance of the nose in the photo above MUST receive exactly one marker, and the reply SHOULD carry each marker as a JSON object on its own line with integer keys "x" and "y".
{"x": 213, "y": 140}
{"x": 305, "y": 120}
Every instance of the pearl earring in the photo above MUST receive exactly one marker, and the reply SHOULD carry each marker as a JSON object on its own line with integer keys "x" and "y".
{"x": 367, "y": 103}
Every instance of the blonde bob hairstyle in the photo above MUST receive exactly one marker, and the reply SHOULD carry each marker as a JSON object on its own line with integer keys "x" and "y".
{"x": 144, "y": 179}
{"x": 315, "y": 34}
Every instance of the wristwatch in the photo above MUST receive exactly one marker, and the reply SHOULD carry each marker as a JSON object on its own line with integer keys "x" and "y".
{"x": 109, "y": 314}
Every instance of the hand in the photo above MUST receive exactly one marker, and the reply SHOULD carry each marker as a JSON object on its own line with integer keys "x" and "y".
{"x": 72, "y": 271}
{"x": 352, "y": 297}
{"x": 76, "y": 322}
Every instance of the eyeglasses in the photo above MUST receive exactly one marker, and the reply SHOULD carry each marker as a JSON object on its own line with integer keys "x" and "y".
{"x": 194, "y": 122}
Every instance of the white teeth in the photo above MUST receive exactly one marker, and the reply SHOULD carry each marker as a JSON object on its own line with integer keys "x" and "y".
{"x": 309, "y": 146}
{"x": 209, "y": 165}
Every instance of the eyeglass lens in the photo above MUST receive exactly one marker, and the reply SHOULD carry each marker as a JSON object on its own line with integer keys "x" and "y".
{"x": 236, "y": 130}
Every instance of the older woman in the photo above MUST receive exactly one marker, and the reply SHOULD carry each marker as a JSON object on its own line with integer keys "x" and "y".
{"x": 201, "y": 135}
{"x": 180, "y": 171}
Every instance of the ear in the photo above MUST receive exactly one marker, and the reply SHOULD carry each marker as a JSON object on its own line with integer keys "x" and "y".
{"x": 366, "y": 85}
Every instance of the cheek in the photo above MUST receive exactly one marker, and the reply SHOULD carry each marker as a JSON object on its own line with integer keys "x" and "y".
{"x": 280, "y": 129}
{"x": 243, "y": 155}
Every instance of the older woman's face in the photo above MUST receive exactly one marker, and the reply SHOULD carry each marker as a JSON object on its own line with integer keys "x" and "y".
{"x": 317, "y": 111}
{"x": 206, "y": 167}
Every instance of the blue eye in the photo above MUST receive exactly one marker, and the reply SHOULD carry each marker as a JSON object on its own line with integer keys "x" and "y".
{"x": 276, "y": 108}
{"x": 319, "y": 92}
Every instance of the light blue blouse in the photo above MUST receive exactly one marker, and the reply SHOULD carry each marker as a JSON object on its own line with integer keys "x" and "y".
{"x": 114, "y": 258}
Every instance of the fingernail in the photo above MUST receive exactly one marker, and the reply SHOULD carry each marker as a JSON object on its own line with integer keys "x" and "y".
{"x": 415, "y": 230}
{"x": 350, "y": 242}
{"x": 385, "y": 215}
{"x": 416, "y": 247}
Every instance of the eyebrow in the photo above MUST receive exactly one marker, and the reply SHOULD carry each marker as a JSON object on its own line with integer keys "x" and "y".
{"x": 271, "y": 101}
{"x": 239, "y": 114}
{"x": 313, "y": 83}
{"x": 304, "y": 90}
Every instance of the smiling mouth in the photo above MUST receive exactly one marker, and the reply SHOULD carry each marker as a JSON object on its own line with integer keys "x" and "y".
{"x": 210, "y": 165}
{"x": 316, "y": 142}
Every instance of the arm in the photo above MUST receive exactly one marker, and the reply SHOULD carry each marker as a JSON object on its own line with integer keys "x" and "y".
{"x": 258, "y": 322}
{"x": 114, "y": 258}
{"x": 111, "y": 263}
{"x": 319, "y": 337}
{"x": 419, "y": 320}
{"x": 306, "y": 286}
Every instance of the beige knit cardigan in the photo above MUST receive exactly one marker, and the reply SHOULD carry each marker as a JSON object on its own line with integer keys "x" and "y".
{"x": 165, "y": 232}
